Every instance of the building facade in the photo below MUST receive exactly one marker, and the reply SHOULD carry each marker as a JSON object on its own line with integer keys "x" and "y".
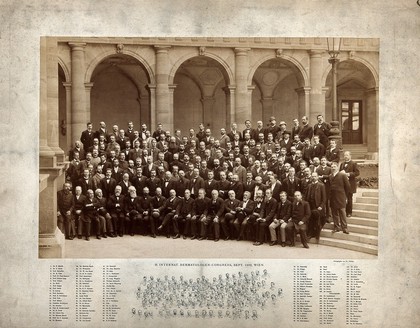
{"x": 181, "y": 82}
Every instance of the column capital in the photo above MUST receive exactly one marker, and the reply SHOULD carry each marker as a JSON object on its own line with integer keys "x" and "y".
{"x": 208, "y": 98}
{"x": 88, "y": 85}
{"x": 251, "y": 87}
{"x": 77, "y": 46}
{"x": 305, "y": 90}
{"x": 162, "y": 49}
{"x": 172, "y": 87}
{"x": 372, "y": 90}
{"x": 151, "y": 86}
{"x": 230, "y": 89}
{"x": 316, "y": 53}
{"x": 67, "y": 85}
{"x": 241, "y": 51}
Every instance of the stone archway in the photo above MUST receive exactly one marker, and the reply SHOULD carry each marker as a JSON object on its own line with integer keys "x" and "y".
{"x": 200, "y": 94}
{"x": 277, "y": 81}
{"x": 357, "y": 96}
{"x": 120, "y": 92}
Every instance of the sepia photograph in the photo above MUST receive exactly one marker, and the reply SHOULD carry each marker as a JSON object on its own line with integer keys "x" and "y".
{"x": 209, "y": 147}
{"x": 209, "y": 163}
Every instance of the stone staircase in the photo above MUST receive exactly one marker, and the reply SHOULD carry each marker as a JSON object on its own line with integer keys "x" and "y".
{"x": 363, "y": 225}
{"x": 358, "y": 151}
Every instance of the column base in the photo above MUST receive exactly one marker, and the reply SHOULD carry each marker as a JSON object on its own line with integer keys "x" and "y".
{"x": 373, "y": 156}
{"x": 51, "y": 245}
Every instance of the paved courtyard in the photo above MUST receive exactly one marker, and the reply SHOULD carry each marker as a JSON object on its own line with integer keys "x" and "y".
{"x": 146, "y": 247}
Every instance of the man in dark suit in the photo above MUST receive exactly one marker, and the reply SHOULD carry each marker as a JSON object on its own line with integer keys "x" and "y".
{"x": 79, "y": 201}
{"x": 168, "y": 213}
{"x": 117, "y": 171}
{"x": 87, "y": 137}
{"x": 77, "y": 148}
{"x": 317, "y": 198}
{"x": 267, "y": 216}
{"x": 102, "y": 131}
{"x": 301, "y": 212}
{"x": 324, "y": 172}
{"x": 196, "y": 183}
{"x": 249, "y": 184}
{"x": 65, "y": 206}
{"x": 211, "y": 221}
{"x": 168, "y": 184}
{"x": 108, "y": 184}
{"x": 243, "y": 211}
{"x": 115, "y": 206}
{"x": 135, "y": 152}
{"x": 306, "y": 131}
{"x": 291, "y": 184}
{"x": 351, "y": 170}
{"x": 210, "y": 183}
{"x": 295, "y": 129}
{"x": 143, "y": 206}
{"x": 157, "y": 206}
{"x": 183, "y": 214}
{"x": 85, "y": 182}
{"x": 318, "y": 149}
{"x": 132, "y": 215}
{"x": 200, "y": 209}
{"x": 339, "y": 189}
{"x": 275, "y": 187}
{"x": 282, "y": 220}
{"x": 332, "y": 153}
{"x": 90, "y": 215}
{"x": 153, "y": 183}
{"x": 237, "y": 186}
{"x": 231, "y": 204}
{"x": 322, "y": 129}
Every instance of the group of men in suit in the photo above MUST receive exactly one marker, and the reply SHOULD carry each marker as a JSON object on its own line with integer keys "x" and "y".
{"x": 262, "y": 184}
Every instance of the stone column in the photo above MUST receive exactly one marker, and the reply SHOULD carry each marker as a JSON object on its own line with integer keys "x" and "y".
{"x": 69, "y": 136}
{"x": 52, "y": 99}
{"x": 303, "y": 102}
{"x": 230, "y": 104}
{"x": 372, "y": 115}
{"x": 242, "y": 94}
{"x": 78, "y": 91}
{"x": 46, "y": 154}
{"x": 88, "y": 88}
{"x": 164, "y": 112}
{"x": 267, "y": 108}
{"x": 208, "y": 106}
{"x": 51, "y": 239}
{"x": 170, "y": 125}
{"x": 152, "y": 122}
{"x": 317, "y": 97}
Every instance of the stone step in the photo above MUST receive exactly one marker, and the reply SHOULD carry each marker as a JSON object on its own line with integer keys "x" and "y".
{"x": 370, "y": 193}
{"x": 367, "y": 200}
{"x": 365, "y": 207}
{"x": 356, "y": 237}
{"x": 365, "y": 214}
{"x": 373, "y": 231}
{"x": 347, "y": 244}
{"x": 363, "y": 221}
